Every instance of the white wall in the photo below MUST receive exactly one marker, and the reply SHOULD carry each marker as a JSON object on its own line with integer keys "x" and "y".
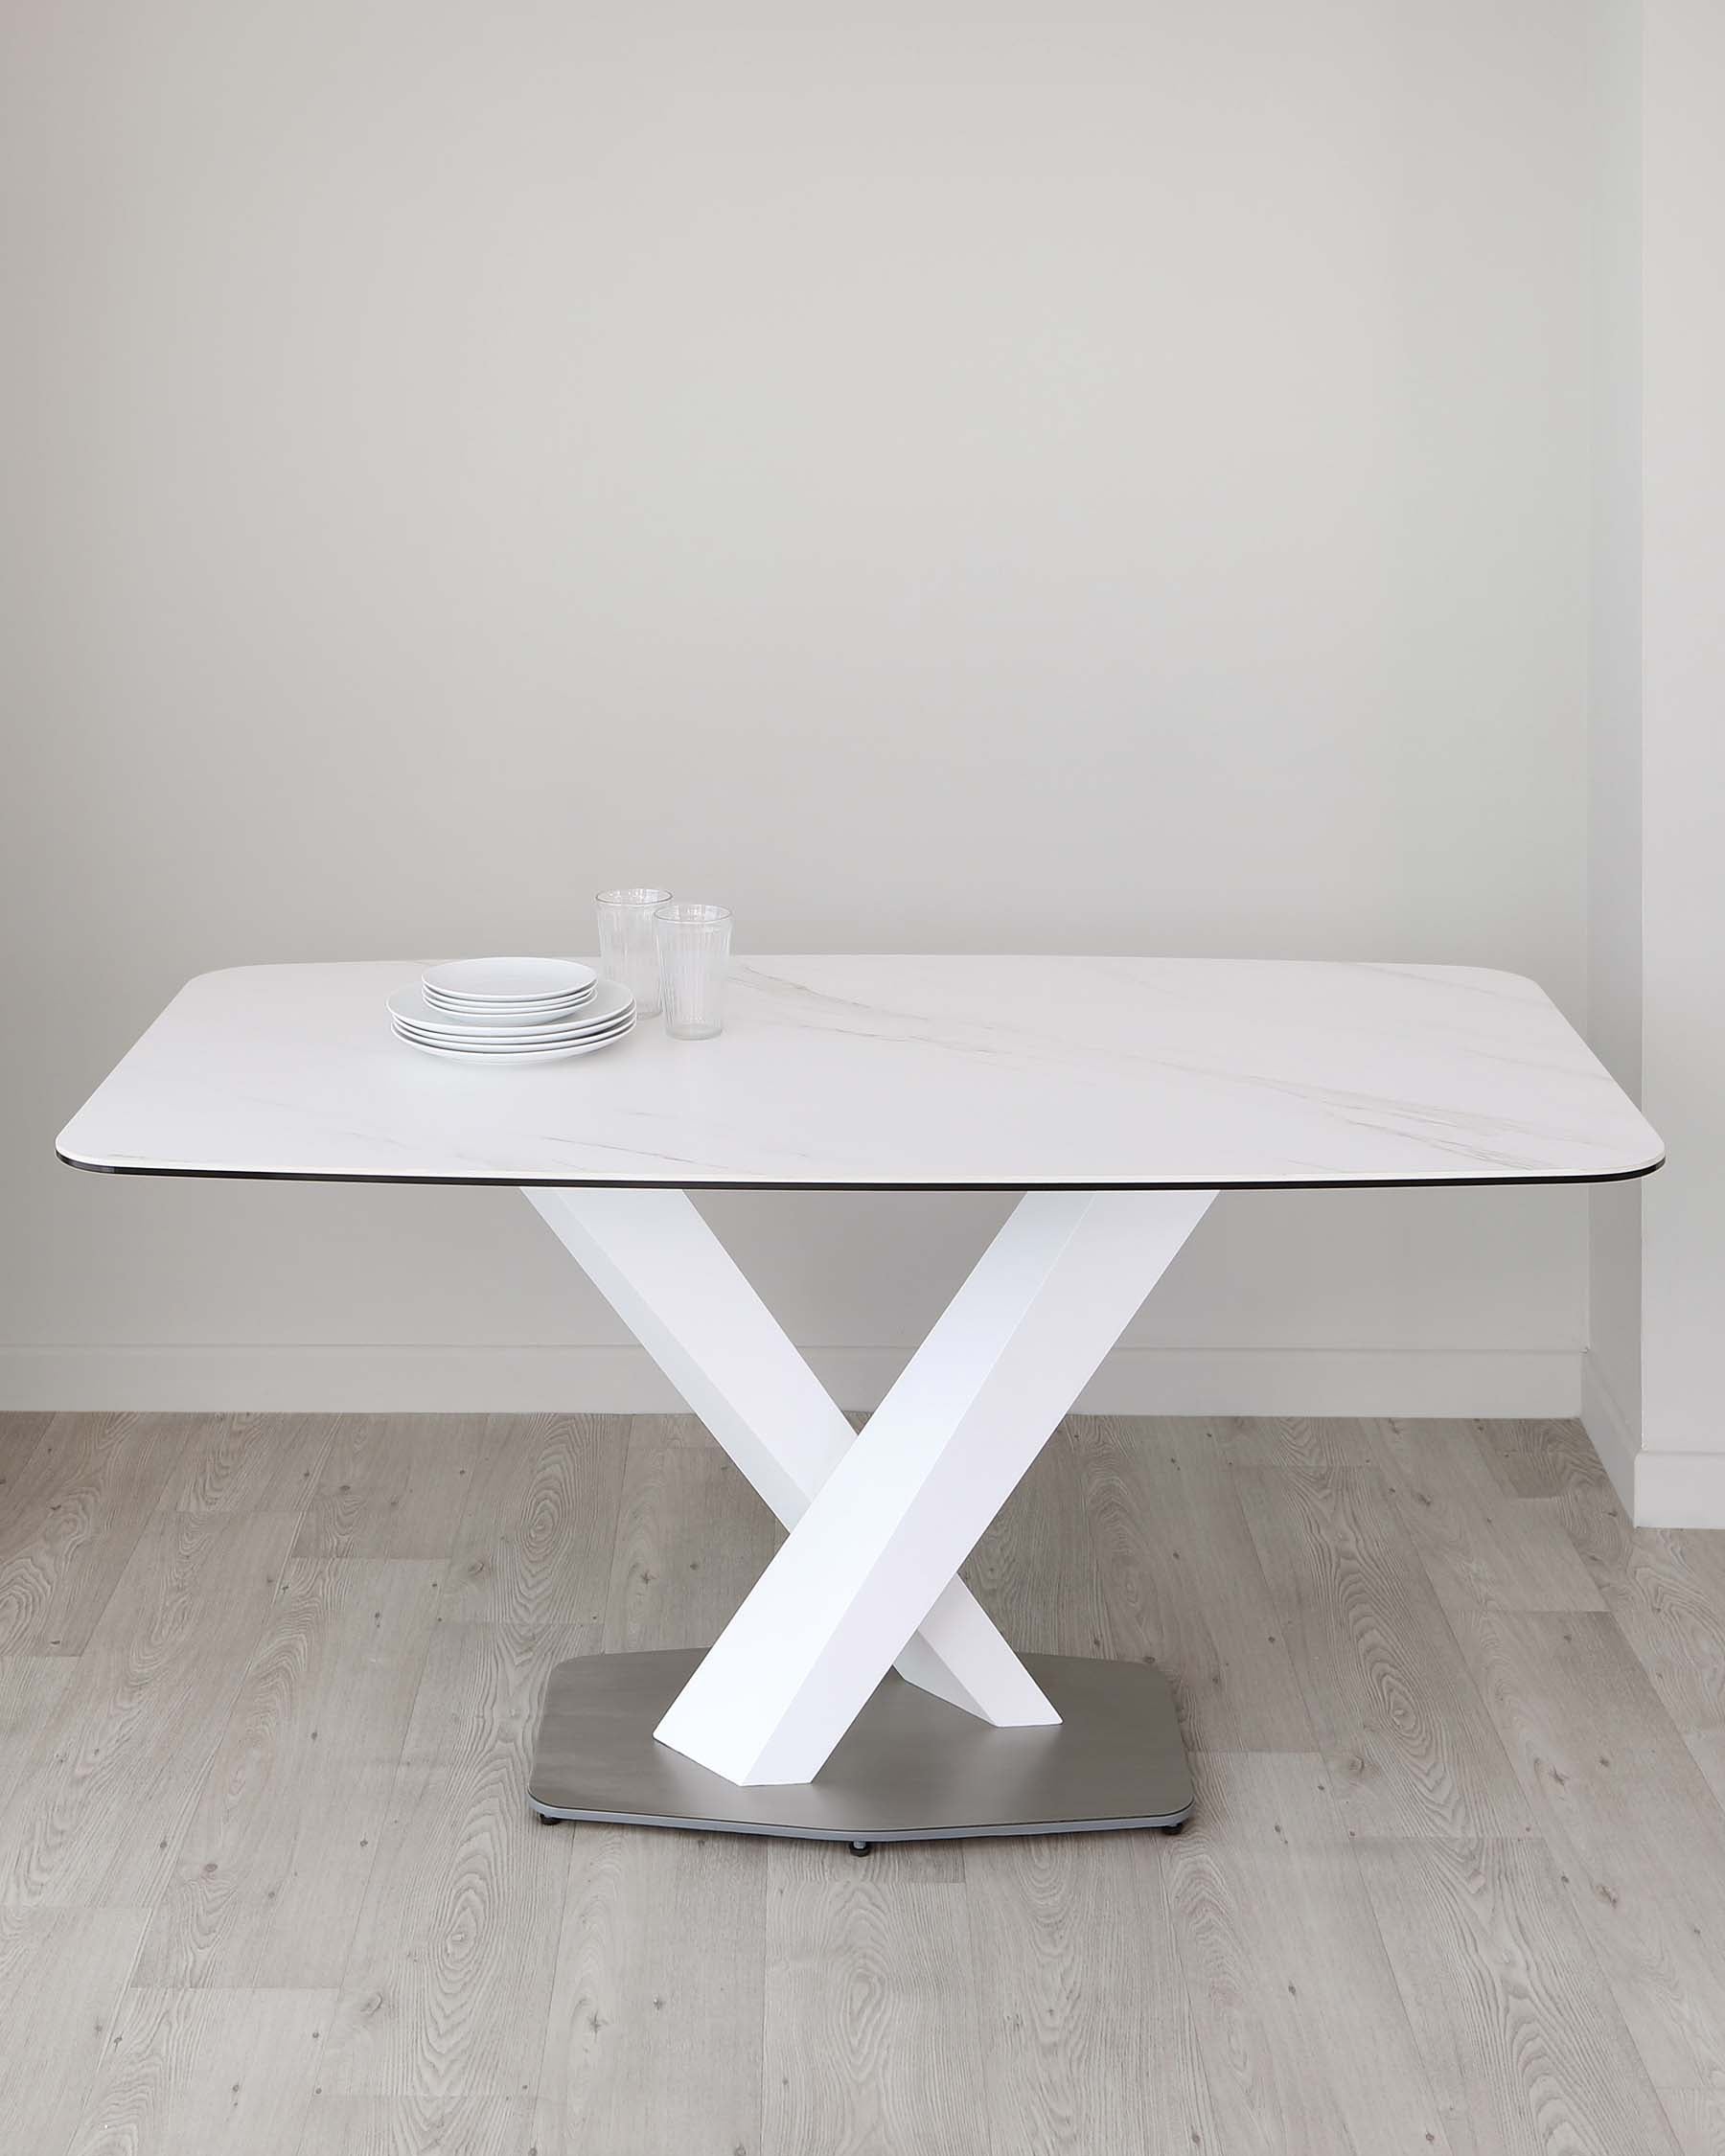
{"x": 1053, "y": 478}
{"x": 1612, "y": 1391}
{"x": 1682, "y": 1475}
{"x": 1657, "y": 869}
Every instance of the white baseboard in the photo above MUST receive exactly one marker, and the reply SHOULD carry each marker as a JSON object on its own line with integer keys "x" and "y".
{"x": 1679, "y": 1490}
{"x": 1656, "y": 1489}
{"x": 621, "y": 1380}
{"x": 1611, "y": 1432}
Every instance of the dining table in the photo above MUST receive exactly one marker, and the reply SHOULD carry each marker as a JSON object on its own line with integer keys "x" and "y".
{"x": 860, "y": 1692}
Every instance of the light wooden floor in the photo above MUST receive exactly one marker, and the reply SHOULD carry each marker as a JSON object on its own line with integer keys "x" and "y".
{"x": 267, "y": 1882}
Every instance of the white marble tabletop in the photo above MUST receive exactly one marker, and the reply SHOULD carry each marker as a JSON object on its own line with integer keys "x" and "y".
{"x": 897, "y": 1073}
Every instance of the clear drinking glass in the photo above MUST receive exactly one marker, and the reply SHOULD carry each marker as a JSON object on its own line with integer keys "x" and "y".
{"x": 694, "y": 951}
{"x": 627, "y": 947}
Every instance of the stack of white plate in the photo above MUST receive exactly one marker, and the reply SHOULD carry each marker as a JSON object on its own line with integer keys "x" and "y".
{"x": 512, "y": 1010}
{"x": 517, "y": 991}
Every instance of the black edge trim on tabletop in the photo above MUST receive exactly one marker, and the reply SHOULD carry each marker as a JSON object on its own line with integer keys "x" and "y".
{"x": 697, "y": 1182}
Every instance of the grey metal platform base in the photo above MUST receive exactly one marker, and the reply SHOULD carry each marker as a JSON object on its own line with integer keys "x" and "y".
{"x": 909, "y": 1769}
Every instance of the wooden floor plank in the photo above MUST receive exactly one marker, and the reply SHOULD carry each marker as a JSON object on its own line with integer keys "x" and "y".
{"x": 1036, "y": 1571}
{"x": 20, "y": 1434}
{"x": 1310, "y": 1442}
{"x": 1410, "y": 1746}
{"x": 447, "y": 1983}
{"x": 271, "y": 1871}
{"x": 1665, "y": 1588}
{"x": 375, "y": 2125}
{"x": 1706, "y": 1748}
{"x": 1600, "y": 1531}
{"x": 1087, "y": 2034}
{"x": 654, "y": 2037}
{"x": 62, "y": 1974}
{"x": 32, "y": 1691}
{"x": 533, "y": 1544}
{"x": 1284, "y": 1966}
{"x": 1480, "y": 1546}
{"x": 186, "y": 2071}
{"x": 1697, "y": 2120}
{"x": 1538, "y": 1459}
{"x": 98, "y": 1818}
{"x": 253, "y": 1463}
{"x": 1181, "y": 1582}
{"x": 1518, "y": 2032}
{"x": 692, "y": 1539}
{"x": 871, "y": 2039}
{"x": 1670, "y": 1608}
{"x": 74, "y": 1509}
{"x": 1639, "y": 1841}
{"x": 392, "y": 1486}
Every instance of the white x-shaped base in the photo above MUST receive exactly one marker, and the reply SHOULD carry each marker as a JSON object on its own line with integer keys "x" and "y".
{"x": 879, "y": 1525}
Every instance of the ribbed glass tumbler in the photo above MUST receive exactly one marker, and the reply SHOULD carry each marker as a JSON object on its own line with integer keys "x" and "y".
{"x": 628, "y": 945}
{"x": 693, "y": 948}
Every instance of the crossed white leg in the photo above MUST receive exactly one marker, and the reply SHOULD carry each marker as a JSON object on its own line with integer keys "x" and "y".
{"x": 879, "y": 1525}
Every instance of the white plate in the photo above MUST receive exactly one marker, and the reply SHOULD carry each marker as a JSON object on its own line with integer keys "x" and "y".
{"x": 510, "y": 1048}
{"x": 513, "y": 981}
{"x": 436, "y": 995}
{"x": 502, "y": 1016}
{"x": 520, "y": 1055}
{"x": 479, "y": 1003}
{"x": 439, "y": 994}
{"x": 609, "y": 1001}
{"x": 494, "y": 1055}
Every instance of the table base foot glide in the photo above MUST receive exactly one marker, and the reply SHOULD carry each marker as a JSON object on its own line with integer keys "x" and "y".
{"x": 910, "y": 1768}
